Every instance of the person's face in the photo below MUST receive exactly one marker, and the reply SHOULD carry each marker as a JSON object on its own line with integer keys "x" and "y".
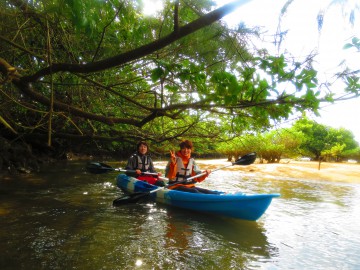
{"x": 142, "y": 149}
{"x": 185, "y": 152}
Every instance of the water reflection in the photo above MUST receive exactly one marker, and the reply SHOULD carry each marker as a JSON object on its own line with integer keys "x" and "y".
{"x": 227, "y": 242}
{"x": 64, "y": 219}
{"x": 178, "y": 239}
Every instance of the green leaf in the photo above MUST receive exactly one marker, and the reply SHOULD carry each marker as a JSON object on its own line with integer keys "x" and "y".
{"x": 156, "y": 74}
{"x": 348, "y": 46}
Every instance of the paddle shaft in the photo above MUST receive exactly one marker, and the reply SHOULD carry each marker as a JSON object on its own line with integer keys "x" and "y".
{"x": 159, "y": 188}
{"x": 204, "y": 173}
{"x": 98, "y": 168}
{"x": 244, "y": 160}
{"x": 133, "y": 171}
{"x": 134, "y": 197}
{"x": 146, "y": 173}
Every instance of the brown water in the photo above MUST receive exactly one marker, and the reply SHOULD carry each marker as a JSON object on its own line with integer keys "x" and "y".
{"x": 63, "y": 218}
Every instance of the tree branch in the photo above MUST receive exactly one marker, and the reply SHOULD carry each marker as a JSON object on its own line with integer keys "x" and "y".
{"x": 26, "y": 89}
{"x": 142, "y": 51}
{"x": 176, "y": 16}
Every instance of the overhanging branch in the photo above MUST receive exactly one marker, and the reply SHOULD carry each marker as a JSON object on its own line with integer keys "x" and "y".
{"x": 142, "y": 51}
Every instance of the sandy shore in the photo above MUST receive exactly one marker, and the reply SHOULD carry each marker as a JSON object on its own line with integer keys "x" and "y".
{"x": 339, "y": 172}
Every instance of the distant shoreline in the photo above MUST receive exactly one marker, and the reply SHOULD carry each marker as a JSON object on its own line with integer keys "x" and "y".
{"x": 308, "y": 170}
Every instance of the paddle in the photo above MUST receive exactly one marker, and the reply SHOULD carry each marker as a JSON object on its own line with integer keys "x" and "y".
{"x": 99, "y": 167}
{"x": 244, "y": 160}
{"x": 135, "y": 197}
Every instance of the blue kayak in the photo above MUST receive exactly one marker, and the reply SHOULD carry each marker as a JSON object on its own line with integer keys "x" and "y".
{"x": 235, "y": 205}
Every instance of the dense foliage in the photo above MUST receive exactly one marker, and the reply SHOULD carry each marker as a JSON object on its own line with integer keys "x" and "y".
{"x": 85, "y": 75}
{"x": 306, "y": 138}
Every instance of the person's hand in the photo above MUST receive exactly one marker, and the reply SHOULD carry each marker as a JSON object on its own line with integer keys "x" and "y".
{"x": 159, "y": 174}
{"x": 137, "y": 171}
{"x": 207, "y": 172}
{"x": 172, "y": 156}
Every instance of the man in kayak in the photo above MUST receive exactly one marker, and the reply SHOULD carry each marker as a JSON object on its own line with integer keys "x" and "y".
{"x": 141, "y": 163}
{"x": 182, "y": 166}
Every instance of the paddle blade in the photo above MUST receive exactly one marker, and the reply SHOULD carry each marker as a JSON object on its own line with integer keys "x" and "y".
{"x": 246, "y": 159}
{"x": 131, "y": 198}
{"x": 98, "y": 167}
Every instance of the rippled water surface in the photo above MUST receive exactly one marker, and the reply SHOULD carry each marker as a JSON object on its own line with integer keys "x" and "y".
{"x": 63, "y": 218}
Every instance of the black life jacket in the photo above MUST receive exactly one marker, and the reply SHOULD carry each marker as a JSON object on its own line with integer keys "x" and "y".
{"x": 142, "y": 162}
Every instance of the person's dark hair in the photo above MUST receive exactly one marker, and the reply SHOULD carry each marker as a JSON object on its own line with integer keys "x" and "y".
{"x": 186, "y": 144}
{"x": 142, "y": 143}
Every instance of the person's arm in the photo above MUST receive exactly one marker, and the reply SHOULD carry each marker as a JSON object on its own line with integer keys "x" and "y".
{"x": 151, "y": 165}
{"x": 170, "y": 170}
{"x": 131, "y": 165}
{"x": 196, "y": 170}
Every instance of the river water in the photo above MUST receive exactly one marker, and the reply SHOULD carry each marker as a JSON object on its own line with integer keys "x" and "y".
{"x": 63, "y": 218}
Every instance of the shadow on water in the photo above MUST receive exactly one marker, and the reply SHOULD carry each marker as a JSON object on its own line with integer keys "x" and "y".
{"x": 180, "y": 239}
{"x": 63, "y": 218}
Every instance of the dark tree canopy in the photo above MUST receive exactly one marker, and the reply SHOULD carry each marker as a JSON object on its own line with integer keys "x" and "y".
{"x": 100, "y": 72}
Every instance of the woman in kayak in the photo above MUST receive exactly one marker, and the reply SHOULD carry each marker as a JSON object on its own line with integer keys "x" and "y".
{"x": 141, "y": 163}
{"x": 182, "y": 166}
